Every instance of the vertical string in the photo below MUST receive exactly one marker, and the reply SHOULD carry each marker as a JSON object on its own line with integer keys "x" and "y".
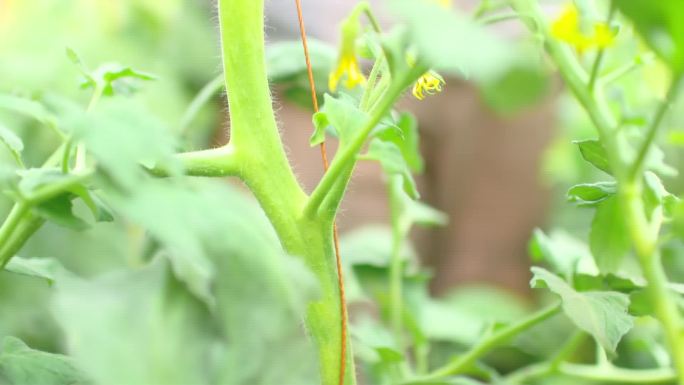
{"x": 336, "y": 242}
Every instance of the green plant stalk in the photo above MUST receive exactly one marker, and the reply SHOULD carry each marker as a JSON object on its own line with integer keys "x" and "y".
{"x": 396, "y": 270}
{"x": 551, "y": 366}
{"x": 199, "y": 101}
{"x": 263, "y": 166}
{"x": 644, "y": 235}
{"x": 616, "y": 375}
{"x": 13, "y": 220}
{"x": 464, "y": 362}
{"x": 638, "y": 165}
{"x": 396, "y": 273}
{"x": 24, "y": 230}
{"x": 318, "y": 203}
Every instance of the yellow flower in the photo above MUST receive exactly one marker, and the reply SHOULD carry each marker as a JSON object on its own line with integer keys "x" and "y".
{"x": 569, "y": 28}
{"x": 346, "y": 65}
{"x": 444, "y": 3}
{"x": 430, "y": 83}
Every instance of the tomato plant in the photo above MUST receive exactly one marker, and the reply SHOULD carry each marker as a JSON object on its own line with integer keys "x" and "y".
{"x": 220, "y": 285}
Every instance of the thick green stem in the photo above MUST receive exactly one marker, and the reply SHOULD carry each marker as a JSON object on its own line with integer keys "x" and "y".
{"x": 264, "y": 168}
{"x": 254, "y": 132}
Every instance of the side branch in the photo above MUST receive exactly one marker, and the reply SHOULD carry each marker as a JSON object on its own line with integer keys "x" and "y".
{"x": 326, "y": 197}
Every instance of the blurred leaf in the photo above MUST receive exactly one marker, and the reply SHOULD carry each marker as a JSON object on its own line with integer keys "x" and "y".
{"x": 43, "y": 268}
{"x": 26, "y": 107}
{"x": 33, "y": 179}
{"x": 659, "y": 22}
{"x": 389, "y": 355}
{"x": 654, "y": 193}
{"x": 463, "y": 314}
{"x": 21, "y": 365}
{"x": 393, "y": 163}
{"x": 244, "y": 293}
{"x": 135, "y": 328}
{"x": 59, "y": 210}
{"x": 101, "y": 212}
{"x": 372, "y": 245}
{"x": 407, "y": 211}
{"x": 656, "y": 161}
{"x": 607, "y": 282}
{"x": 285, "y": 61}
{"x": 564, "y": 253}
{"x": 603, "y": 314}
{"x": 12, "y": 141}
{"x": 407, "y": 140}
{"x": 433, "y": 30}
{"x": 516, "y": 89}
{"x": 114, "y": 78}
{"x": 609, "y": 237}
{"x": 590, "y": 194}
{"x": 594, "y": 153}
{"x": 122, "y": 135}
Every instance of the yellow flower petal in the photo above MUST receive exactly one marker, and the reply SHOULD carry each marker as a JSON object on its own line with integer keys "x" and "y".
{"x": 347, "y": 66}
{"x": 568, "y": 28}
{"x": 428, "y": 84}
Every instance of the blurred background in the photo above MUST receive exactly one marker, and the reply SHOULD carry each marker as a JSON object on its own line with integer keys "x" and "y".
{"x": 498, "y": 157}
{"x": 489, "y": 148}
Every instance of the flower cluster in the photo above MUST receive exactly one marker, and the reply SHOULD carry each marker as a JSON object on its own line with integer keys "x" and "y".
{"x": 570, "y": 28}
{"x": 347, "y": 62}
{"x": 428, "y": 84}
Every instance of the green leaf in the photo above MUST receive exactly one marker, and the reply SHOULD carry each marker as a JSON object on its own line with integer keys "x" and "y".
{"x": 609, "y": 239}
{"x": 518, "y": 88}
{"x": 101, "y": 212}
{"x": 409, "y": 211}
{"x": 372, "y": 245}
{"x": 342, "y": 115}
{"x": 393, "y": 163}
{"x": 12, "y": 141}
{"x": 59, "y": 210}
{"x": 593, "y": 152}
{"x": 389, "y": 355}
{"x": 33, "y": 179}
{"x": 321, "y": 123}
{"x": 406, "y": 137}
{"x": 654, "y": 193}
{"x": 433, "y": 31}
{"x": 21, "y": 365}
{"x": 143, "y": 321}
{"x": 173, "y": 337}
{"x": 655, "y": 161}
{"x": 285, "y": 61}
{"x": 603, "y": 314}
{"x": 43, "y": 268}
{"x": 564, "y": 253}
{"x": 27, "y": 107}
{"x": 590, "y": 194}
{"x": 659, "y": 22}
{"x": 115, "y": 79}
{"x": 121, "y": 135}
